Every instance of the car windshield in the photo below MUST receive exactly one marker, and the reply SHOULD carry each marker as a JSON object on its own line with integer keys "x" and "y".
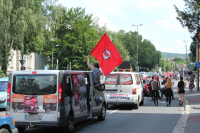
{"x": 3, "y": 85}
{"x": 34, "y": 84}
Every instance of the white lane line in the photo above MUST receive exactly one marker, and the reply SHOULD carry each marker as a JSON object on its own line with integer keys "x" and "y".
{"x": 113, "y": 111}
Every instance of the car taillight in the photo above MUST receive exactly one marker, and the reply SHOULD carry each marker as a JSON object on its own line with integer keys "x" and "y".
{"x": 8, "y": 92}
{"x": 60, "y": 98}
{"x": 134, "y": 91}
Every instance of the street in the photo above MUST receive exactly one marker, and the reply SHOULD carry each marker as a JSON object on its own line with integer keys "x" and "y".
{"x": 147, "y": 119}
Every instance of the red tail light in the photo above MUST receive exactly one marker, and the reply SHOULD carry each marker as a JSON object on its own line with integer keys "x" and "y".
{"x": 60, "y": 97}
{"x": 8, "y": 92}
{"x": 134, "y": 91}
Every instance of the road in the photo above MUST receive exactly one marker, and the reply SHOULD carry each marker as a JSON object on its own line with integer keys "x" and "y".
{"x": 124, "y": 119}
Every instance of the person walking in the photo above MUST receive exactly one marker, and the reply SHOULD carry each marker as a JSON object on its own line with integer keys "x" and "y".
{"x": 181, "y": 91}
{"x": 150, "y": 87}
{"x": 155, "y": 86}
{"x": 168, "y": 87}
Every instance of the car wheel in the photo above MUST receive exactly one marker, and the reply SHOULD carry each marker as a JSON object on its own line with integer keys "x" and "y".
{"x": 21, "y": 129}
{"x": 136, "y": 106}
{"x": 102, "y": 116}
{"x": 69, "y": 128}
{"x": 142, "y": 102}
{"x": 3, "y": 130}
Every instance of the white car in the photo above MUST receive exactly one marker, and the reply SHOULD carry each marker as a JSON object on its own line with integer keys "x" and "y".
{"x": 124, "y": 88}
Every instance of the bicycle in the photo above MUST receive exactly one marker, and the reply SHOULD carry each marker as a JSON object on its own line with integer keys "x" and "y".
{"x": 191, "y": 86}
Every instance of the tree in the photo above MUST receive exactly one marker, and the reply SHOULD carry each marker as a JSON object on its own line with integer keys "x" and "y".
{"x": 22, "y": 23}
{"x": 76, "y": 42}
{"x": 190, "y": 18}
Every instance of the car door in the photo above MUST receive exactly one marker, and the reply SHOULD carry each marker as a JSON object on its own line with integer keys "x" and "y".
{"x": 80, "y": 95}
{"x": 138, "y": 86}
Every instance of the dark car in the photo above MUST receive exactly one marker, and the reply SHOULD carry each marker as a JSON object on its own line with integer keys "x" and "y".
{"x": 146, "y": 93}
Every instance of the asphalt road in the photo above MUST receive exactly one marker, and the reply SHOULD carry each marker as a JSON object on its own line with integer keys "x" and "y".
{"x": 124, "y": 119}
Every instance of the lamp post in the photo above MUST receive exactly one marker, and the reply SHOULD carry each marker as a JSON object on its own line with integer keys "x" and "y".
{"x": 52, "y": 55}
{"x": 137, "y": 47}
{"x": 186, "y": 54}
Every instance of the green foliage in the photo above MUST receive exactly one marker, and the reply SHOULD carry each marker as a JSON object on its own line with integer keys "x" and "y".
{"x": 22, "y": 23}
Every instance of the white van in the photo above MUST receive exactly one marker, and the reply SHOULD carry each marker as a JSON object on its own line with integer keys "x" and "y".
{"x": 124, "y": 88}
{"x": 56, "y": 98}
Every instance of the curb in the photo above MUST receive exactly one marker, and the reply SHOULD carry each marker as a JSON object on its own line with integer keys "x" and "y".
{"x": 181, "y": 123}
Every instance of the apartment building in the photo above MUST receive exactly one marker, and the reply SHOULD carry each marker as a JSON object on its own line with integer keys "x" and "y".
{"x": 32, "y": 61}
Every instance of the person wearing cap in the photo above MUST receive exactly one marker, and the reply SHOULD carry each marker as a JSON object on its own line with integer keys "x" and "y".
{"x": 155, "y": 87}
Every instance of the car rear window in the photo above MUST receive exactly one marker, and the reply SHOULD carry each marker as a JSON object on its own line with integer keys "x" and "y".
{"x": 34, "y": 84}
{"x": 111, "y": 79}
{"x": 3, "y": 85}
{"x": 125, "y": 79}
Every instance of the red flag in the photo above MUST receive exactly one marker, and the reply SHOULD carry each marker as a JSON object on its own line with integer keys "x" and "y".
{"x": 107, "y": 55}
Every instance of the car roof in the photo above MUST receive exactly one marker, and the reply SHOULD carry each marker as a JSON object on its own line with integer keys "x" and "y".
{"x": 4, "y": 79}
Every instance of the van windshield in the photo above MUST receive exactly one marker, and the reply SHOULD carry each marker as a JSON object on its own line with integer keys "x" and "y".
{"x": 3, "y": 85}
{"x": 34, "y": 84}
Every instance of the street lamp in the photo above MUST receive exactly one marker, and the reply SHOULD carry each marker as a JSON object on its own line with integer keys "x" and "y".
{"x": 137, "y": 46}
{"x": 52, "y": 54}
{"x": 186, "y": 54}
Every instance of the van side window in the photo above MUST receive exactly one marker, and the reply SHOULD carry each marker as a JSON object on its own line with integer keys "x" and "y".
{"x": 125, "y": 79}
{"x": 68, "y": 89}
{"x": 137, "y": 79}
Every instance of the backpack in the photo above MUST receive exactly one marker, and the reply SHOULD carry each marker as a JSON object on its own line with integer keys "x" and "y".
{"x": 155, "y": 85}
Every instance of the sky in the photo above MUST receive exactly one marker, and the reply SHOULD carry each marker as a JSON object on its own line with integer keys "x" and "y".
{"x": 158, "y": 17}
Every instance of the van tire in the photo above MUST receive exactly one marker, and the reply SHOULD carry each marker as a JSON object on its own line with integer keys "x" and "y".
{"x": 136, "y": 106}
{"x": 142, "y": 102}
{"x": 21, "y": 129}
{"x": 3, "y": 130}
{"x": 102, "y": 116}
{"x": 69, "y": 128}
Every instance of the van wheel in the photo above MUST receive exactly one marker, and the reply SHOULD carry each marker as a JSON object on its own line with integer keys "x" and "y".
{"x": 142, "y": 102}
{"x": 21, "y": 129}
{"x": 102, "y": 116}
{"x": 3, "y": 130}
{"x": 136, "y": 106}
{"x": 70, "y": 125}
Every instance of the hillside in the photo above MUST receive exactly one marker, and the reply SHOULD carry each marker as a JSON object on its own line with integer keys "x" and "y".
{"x": 173, "y": 55}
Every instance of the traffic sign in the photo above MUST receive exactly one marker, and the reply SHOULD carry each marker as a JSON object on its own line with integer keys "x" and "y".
{"x": 197, "y": 64}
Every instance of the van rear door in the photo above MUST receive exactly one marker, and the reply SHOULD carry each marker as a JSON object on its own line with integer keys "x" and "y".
{"x": 34, "y": 96}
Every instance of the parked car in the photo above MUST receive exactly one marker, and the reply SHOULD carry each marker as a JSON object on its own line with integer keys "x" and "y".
{"x": 124, "y": 88}
{"x": 3, "y": 92}
{"x": 7, "y": 125}
{"x": 146, "y": 93}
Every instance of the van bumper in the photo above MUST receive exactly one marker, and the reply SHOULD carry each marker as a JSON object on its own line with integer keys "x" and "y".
{"x": 37, "y": 124}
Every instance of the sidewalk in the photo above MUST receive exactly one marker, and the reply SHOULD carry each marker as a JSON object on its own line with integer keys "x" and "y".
{"x": 190, "y": 121}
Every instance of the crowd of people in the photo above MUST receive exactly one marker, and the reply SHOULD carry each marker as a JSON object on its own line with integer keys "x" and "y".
{"x": 168, "y": 87}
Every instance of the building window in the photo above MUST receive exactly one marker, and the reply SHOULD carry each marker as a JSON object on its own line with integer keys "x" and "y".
{"x": 11, "y": 61}
{"x": 26, "y": 61}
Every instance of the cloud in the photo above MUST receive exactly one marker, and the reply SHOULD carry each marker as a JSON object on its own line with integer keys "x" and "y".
{"x": 171, "y": 24}
{"x": 103, "y": 20}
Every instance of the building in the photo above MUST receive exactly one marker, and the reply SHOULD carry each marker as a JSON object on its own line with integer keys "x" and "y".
{"x": 32, "y": 61}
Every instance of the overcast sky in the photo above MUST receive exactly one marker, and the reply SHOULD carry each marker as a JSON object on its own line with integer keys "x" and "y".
{"x": 158, "y": 17}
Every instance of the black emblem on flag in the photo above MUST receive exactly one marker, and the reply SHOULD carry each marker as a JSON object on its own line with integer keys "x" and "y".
{"x": 106, "y": 54}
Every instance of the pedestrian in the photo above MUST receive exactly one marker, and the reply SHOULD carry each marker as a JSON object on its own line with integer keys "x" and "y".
{"x": 159, "y": 87}
{"x": 188, "y": 77}
{"x": 96, "y": 73}
{"x": 155, "y": 86}
{"x": 150, "y": 87}
{"x": 181, "y": 90}
{"x": 169, "y": 86}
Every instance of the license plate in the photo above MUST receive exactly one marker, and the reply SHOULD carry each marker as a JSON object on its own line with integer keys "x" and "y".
{"x": 33, "y": 117}
{"x": 111, "y": 92}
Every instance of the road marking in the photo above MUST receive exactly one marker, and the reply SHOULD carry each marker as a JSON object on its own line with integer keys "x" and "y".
{"x": 113, "y": 111}
{"x": 162, "y": 102}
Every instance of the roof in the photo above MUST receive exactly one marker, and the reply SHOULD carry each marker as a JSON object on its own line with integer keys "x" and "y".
{"x": 125, "y": 65}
